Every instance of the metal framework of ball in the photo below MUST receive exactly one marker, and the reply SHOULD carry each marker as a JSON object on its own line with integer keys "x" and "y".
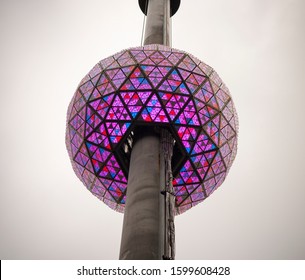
{"x": 155, "y": 86}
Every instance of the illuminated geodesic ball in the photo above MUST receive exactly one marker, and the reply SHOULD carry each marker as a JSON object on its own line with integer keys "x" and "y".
{"x": 152, "y": 85}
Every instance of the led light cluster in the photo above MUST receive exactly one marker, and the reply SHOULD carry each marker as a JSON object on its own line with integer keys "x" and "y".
{"x": 149, "y": 85}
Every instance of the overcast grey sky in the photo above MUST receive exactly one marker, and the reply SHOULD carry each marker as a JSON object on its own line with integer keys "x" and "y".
{"x": 257, "y": 48}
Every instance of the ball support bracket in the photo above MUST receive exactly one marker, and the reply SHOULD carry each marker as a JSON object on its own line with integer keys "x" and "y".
{"x": 122, "y": 152}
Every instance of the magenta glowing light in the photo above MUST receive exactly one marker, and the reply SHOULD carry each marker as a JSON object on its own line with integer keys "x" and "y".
{"x": 160, "y": 86}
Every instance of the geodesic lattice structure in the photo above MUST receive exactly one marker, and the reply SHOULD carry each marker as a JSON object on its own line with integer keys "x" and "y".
{"x": 158, "y": 86}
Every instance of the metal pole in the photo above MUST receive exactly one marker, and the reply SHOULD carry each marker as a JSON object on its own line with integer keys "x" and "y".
{"x": 142, "y": 227}
{"x": 148, "y": 219}
{"x": 158, "y": 27}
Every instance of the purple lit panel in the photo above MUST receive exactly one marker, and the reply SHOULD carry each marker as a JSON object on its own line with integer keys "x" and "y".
{"x": 145, "y": 85}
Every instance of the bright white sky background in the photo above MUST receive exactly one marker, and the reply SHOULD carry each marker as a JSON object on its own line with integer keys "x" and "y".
{"x": 257, "y": 48}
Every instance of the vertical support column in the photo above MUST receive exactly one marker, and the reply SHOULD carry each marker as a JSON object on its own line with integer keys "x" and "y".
{"x": 143, "y": 227}
{"x": 167, "y": 145}
{"x": 148, "y": 226}
{"x": 158, "y": 27}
